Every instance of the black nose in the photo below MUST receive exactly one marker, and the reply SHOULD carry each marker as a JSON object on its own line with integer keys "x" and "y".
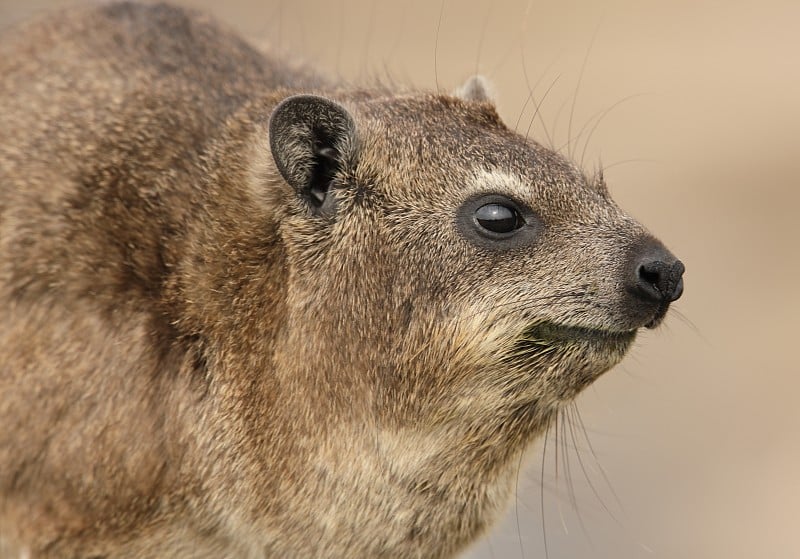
{"x": 657, "y": 275}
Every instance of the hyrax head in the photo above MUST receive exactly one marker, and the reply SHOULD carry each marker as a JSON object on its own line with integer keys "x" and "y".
{"x": 444, "y": 268}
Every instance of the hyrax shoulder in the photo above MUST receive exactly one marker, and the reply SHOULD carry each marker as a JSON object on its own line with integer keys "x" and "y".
{"x": 244, "y": 312}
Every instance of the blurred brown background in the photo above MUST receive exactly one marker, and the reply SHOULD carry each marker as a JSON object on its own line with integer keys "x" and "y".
{"x": 698, "y": 431}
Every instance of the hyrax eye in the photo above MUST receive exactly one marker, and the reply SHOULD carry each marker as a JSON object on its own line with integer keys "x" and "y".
{"x": 498, "y": 218}
{"x": 495, "y": 221}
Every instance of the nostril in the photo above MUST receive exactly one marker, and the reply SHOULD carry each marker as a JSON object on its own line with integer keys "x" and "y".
{"x": 653, "y": 279}
{"x": 650, "y": 273}
{"x": 650, "y": 277}
{"x": 660, "y": 281}
{"x": 653, "y": 276}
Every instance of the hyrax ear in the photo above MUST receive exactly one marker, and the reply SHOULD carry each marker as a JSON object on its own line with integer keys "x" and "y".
{"x": 477, "y": 88}
{"x": 310, "y": 138}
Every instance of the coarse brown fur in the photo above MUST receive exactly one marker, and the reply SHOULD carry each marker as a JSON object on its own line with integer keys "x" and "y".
{"x": 198, "y": 361}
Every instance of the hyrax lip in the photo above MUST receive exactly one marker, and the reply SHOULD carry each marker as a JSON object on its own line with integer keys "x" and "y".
{"x": 550, "y": 332}
{"x": 658, "y": 317}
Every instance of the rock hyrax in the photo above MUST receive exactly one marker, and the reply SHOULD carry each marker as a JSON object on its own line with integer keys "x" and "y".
{"x": 245, "y": 312}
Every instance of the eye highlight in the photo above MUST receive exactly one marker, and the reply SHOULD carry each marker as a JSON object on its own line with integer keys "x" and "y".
{"x": 498, "y": 218}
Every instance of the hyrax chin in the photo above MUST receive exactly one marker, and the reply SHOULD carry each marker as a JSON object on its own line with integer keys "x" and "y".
{"x": 246, "y": 313}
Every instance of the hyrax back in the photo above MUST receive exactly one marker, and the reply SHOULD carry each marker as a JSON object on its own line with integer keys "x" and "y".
{"x": 246, "y": 313}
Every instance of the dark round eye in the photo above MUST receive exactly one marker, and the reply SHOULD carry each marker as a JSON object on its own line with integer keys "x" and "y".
{"x": 498, "y": 218}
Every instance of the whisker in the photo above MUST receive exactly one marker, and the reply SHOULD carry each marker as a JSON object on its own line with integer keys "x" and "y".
{"x": 597, "y": 460}
{"x": 516, "y": 503}
{"x": 577, "y": 88}
{"x": 557, "y": 117}
{"x": 685, "y": 320}
{"x": 627, "y": 161}
{"x": 532, "y": 90}
{"x": 485, "y": 25}
{"x": 538, "y": 113}
{"x": 541, "y": 495}
{"x": 503, "y": 59}
{"x": 436, "y": 47}
{"x": 524, "y": 65}
{"x": 522, "y": 112}
{"x": 599, "y": 115}
{"x": 601, "y": 118}
{"x": 567, "y": 418}
{"x": 559, "y": 451}
{"x": 565, "y": 458}
{"x": 589, "y": 479}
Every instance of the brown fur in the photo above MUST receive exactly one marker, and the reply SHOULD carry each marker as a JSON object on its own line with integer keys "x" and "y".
{"x": 193, "y": 363}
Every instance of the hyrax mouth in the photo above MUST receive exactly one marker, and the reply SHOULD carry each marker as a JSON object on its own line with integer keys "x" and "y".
{"x": 550, "y": 333}
{"x": 658, "y": 317}
{"x": 569, "y": 357}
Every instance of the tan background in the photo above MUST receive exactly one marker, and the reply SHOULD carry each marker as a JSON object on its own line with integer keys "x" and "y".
{"x": 698, "y": 430}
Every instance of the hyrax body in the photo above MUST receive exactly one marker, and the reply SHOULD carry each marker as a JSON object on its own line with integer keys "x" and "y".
{"x": 236, "y": 321}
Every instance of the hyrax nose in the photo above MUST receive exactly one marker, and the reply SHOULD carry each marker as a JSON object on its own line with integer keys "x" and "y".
{"x": 657, "y": 275}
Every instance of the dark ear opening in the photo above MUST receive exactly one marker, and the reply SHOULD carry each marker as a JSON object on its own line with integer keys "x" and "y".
{"x": 309, "y": 136}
